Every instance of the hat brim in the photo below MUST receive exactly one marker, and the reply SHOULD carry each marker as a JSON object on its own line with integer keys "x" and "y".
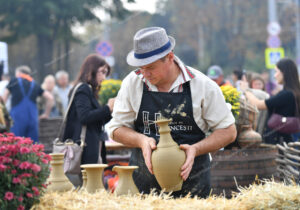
{"x": 133, "y": 61}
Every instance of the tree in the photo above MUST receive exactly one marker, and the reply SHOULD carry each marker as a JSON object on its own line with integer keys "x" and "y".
{"x": 217, "y": 32}
{"x": 50, "y": 21}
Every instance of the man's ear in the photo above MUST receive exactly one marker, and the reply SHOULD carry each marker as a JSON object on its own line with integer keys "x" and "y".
{"x": 170, "y": 56}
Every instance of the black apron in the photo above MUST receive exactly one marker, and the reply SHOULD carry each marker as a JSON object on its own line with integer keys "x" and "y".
{"x": 184, "y": 130}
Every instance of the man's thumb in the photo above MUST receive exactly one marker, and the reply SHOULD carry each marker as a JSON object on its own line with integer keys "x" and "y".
{"x": 152, "y": 144}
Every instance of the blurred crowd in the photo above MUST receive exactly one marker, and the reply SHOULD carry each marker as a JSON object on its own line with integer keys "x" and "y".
{"x": 21, "y": 94}
{"x": 279, "y": 95}
{"x": 24, "y": 101}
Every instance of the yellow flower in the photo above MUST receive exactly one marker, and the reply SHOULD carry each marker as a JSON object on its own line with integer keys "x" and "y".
{"x": 109, "y": 89}
{"x": 232, "y": 96}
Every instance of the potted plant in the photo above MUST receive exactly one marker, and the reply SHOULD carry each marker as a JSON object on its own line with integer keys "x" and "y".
{"x": 24, "y": 168}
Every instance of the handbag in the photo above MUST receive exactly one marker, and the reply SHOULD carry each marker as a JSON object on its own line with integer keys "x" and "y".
{"x": 284, "y": 124}
{"x": 72, "y": 151}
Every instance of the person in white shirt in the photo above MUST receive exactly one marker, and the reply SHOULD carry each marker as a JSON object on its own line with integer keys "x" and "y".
{"x": 63, "y": 87}
{"x": 163, "y": 86}
{"x": 3, "y": 83}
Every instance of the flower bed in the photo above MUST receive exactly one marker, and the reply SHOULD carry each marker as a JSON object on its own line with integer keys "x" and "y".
{"x": 24, "y": 168}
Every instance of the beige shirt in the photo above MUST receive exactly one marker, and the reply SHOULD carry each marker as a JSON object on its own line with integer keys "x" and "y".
{"x": 209, "y": 107}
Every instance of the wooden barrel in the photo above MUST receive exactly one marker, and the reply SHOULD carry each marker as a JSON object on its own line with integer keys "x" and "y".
{"x": 48, "y": 131}
{"x": 230, "y": 168}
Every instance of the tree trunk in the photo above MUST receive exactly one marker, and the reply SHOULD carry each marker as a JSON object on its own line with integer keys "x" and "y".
{"x": 67, "y": 55}
{"x": 58, "y": 55}
{"x": 44, "y": 57}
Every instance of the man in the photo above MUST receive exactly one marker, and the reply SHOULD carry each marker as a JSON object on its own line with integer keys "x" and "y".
{"x": 63, "y": 87}
{"x": 24, "y": 113}
{"x": 164, "y": 86}
{"x": 216, "y": 74}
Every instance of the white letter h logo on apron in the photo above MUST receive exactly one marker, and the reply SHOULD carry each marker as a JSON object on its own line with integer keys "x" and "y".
{"x": 148, "y": 122}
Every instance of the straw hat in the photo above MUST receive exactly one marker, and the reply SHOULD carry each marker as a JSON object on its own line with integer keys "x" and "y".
{"x": 149, "y": 45}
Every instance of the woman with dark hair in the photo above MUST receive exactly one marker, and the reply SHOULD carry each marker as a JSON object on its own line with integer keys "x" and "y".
{"x": 285, "y": 103}
{"x": 85, "y": 109}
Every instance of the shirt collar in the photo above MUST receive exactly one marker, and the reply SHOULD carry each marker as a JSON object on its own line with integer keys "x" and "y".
{"x": 185, "y": 76}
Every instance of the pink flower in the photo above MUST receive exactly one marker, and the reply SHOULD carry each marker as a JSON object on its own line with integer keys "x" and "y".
{"x": 14, "y": 171}
{"x": 13, "y": 149}
{"x": 16, "y": 180}
{"x": 8, "y": 160}
{"x": 39, "y": 154}
{"x": 8, "y": 196}
{"x": 20, "y": 207}
{"x": 2, "y": 159}
{"x": 29, "y": 195}
{"x": 38, "y": 148}
{"x": 20, "y": 198}
{"x": 48, "y": 157}
{"x": 24, "y": 150}
{"x": 10, "y": 135}
{"x": 25, "y": 141}
{"x": 7, "y": 140}
{"x": 35, "y": 190}
{"x": 25, "y": 165}
{"x": 2, "y": 167}
{"x": 36, "y": 168}
{"x": 26, "y": 175}
{"x": 44, "y": 186}
{"x": 15, "y": 162}
{"x": 3, "y": 149}
{"x": 45, "y": 161}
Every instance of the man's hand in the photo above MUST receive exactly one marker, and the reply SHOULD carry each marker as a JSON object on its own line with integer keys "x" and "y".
{"x": 186, "y": 168}
{"x": 147, "y": 146}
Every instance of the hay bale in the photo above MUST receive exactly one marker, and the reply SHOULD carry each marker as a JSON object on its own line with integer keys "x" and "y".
{"x": 265, "y": 195}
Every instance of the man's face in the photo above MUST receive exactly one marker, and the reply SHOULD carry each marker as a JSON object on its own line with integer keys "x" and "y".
{"x": 63, "y": 81}
{"x": 157, "y": 72}
{"x": 219, "y": 80}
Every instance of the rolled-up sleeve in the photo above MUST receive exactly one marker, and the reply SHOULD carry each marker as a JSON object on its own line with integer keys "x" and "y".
{"x": 126, "y": 104}
{"x": 215, "y": 111}
{"x": 209, "y": 107}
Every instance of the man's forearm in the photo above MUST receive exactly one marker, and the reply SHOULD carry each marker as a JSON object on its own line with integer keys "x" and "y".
{"x": 128, "y": 137}
{"x": 218, "y": 139}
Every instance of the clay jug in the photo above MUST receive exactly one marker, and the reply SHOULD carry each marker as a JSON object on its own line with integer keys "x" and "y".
{"x": 57, "y": 180}
{"x": 125, "y": 183}
{"x": 84, "y": 178}
{"x": 248, "y": 137}
{"x": 94, "y": 176}
{"x": 167, "y": 159}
